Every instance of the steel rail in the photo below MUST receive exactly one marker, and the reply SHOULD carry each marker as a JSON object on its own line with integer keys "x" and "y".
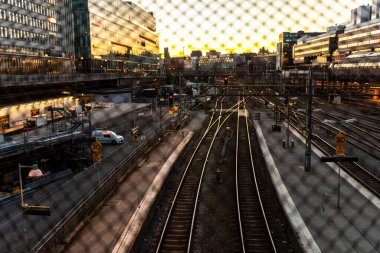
{"x": 211, "y": 123}
{"x": 365, "y": 177}
{"x": 201, "y": 177}
{"x": 373, "y": 120}
{"x": 337, "y": 130}
{"x": 256, "y": 185}
{"x": 238, "y": 189}
{"x": 170, "y": 213}
{"x": 237, "y": 185}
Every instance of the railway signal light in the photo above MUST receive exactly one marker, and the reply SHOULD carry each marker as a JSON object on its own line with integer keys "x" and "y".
{"x": 171, "y": 99}
{"x": 226, "y": 80}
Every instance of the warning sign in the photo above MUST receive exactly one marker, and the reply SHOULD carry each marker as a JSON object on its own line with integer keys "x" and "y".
{"x": 96, "y": 156}
{"x": 340, "y": 139}
{"x": 96, "y": 146}
{"x": 339, "y": 150}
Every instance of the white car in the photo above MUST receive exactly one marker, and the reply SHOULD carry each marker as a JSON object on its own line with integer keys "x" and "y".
{"x": 107, "y": 137}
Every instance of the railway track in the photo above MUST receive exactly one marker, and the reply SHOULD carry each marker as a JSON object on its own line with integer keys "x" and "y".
{"x": 364, "y": 176}
{"x": 254, "y": 229}
{"x": 361, "y": 138}
{"x": 368, "y": 179}
{"x": 364, "y": 124}
{"x": 176, "y": 233}
{"x": 336, "y": 108}
{"x": 360, "y": 141}
{"x": 194, "y": 221}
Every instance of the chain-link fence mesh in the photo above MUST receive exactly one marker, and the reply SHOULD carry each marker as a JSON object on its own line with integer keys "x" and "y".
{"x": 101, "y": 101}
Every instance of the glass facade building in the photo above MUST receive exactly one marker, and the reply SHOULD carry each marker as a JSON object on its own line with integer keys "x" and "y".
{"x": 364, "y": 37}
{"x": 114, "y": 36}
{"x": 318, "y": 48}
{"x": 287, "y": 41}
{"x": 36, "y": 37}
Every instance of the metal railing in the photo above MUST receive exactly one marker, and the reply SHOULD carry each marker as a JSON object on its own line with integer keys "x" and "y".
{"x": 22, "y": 80}
{"x": 29, "y": 145}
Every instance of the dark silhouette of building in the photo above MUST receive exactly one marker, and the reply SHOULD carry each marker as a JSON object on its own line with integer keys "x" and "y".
{"x": 196, "y": 53}
{"x": 166, "y": 54}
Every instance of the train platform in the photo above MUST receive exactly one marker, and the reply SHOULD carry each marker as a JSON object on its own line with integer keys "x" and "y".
{"x": 116, "y": 225}
{"x": 310, "y": 197}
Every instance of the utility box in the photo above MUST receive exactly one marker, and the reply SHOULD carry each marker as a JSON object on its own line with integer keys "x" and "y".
{"x": 276, "y": 128}
{"x": 337, "y": 100}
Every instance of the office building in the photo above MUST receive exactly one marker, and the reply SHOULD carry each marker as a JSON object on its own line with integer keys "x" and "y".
{"x": 216, "y": 62}
{"x": 285, "y": 47}
{"x": 213, "y": 53}
{"x": 262, "y": 65}
{"x": 115, "y": 36}
{"x": 36, "y": 37}
{"x": 375, "y": 9}
{"x": 317, "y": 49}
{"x": 364, "y": 37}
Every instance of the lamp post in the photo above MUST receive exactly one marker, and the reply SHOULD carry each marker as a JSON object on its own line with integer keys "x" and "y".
{"x": 30, "y": 209}
{"x": 23, "y": 204}
{"x": 162, "y": 135}
{"x": 309, "y": 93}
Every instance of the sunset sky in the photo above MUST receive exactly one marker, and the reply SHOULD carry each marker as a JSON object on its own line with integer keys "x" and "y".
{"x": 240, "y": 25}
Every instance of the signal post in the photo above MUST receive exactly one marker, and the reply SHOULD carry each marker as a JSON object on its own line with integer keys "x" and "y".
{"x": 96, "y": 152}
{"x": 340, "y": 140}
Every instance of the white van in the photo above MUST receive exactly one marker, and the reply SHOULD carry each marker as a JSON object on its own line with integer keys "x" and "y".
{"x": 107, "y": 137}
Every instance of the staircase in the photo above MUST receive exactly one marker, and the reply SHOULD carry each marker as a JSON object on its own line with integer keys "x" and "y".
{"x": 73, "y": 118}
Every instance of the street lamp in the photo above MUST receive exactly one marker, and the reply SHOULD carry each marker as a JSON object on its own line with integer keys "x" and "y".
{"x": 29, "y": 209}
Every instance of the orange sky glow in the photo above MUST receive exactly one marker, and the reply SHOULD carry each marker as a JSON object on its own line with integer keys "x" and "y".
{"x": 240, "y": 26}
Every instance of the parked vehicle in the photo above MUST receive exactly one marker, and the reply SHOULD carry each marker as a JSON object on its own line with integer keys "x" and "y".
{"x": 107, "y": 137}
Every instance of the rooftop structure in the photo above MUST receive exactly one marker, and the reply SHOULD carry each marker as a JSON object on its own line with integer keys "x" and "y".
{"x": 361, "y": 14}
